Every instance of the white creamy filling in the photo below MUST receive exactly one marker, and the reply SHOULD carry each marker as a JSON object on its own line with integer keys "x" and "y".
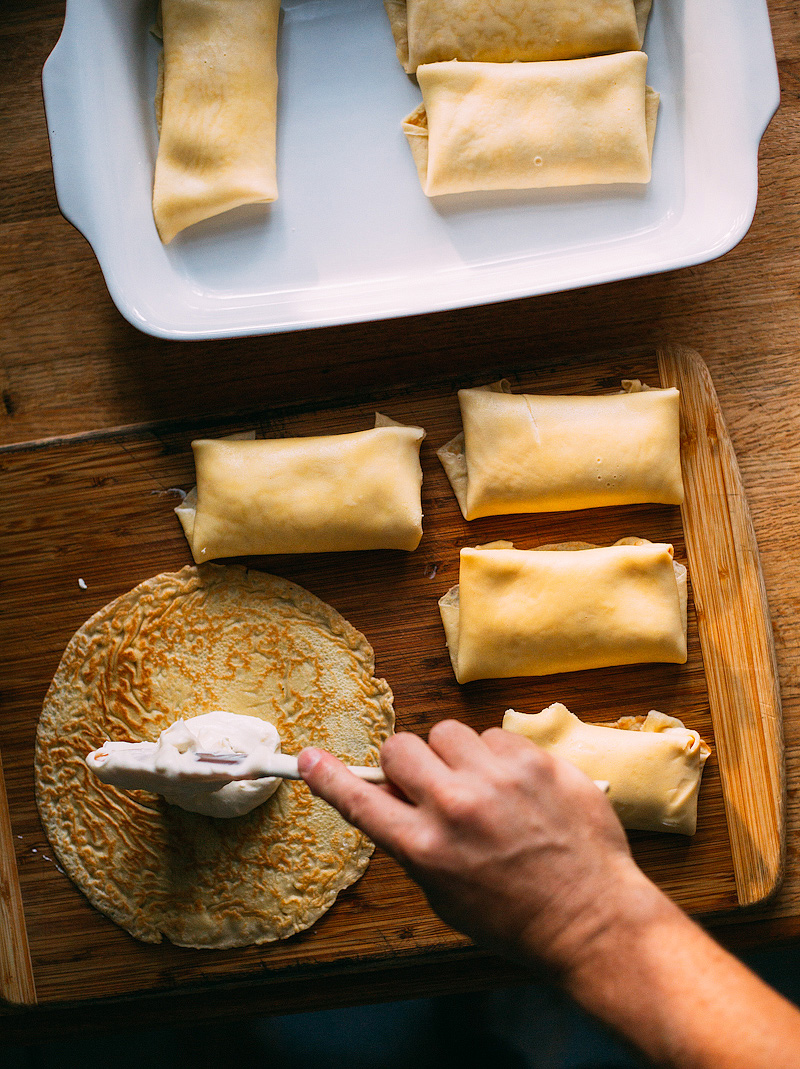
{"x": 170, "y": 767}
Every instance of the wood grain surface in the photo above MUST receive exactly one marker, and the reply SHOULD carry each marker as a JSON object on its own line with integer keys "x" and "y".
{"x": 69, "y": 365}
{"x": 735, "y": 631}
{"x": 99, "y": 509}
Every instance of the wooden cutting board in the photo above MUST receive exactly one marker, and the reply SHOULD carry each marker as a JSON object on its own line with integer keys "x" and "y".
{"x": 98, "y": 508}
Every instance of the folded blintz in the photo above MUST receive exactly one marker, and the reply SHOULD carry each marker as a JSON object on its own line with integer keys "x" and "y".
{"x": 539, "y": 453}
{"x": 652, "y": 764}
{"x": 427, "y": 31}
{"x": 564, "y": 608}
{"x": 485, "y": 126}
{"x": 216, "y": 107}
{"x": 306, "y": 495}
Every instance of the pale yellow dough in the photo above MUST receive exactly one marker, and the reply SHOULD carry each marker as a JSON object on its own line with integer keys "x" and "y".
{"x": 537, "y": 612}
{"x": 537, "y": 453}
{"x": 485, "y": 126}
{"x": 306, "y": 495}
{"x": 217, "y": 110}
{"x": 427, "y": 31}
{"x": 652, "y": 764}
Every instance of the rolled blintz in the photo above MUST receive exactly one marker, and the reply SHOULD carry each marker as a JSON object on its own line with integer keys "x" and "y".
{"x": 484, "y": 126}
{"x": 216, "y": 106}
{"x": 306, "y": 495}
{"x": 652, "y": 764}
{"x": 428, "y": 31}
{"x": 564, "y": 609}
{"x": 538, "y": 453}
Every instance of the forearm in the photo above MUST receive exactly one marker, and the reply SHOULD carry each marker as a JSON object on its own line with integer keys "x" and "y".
{"x": 521, "y": 851}
{"x": 662, "y": 983}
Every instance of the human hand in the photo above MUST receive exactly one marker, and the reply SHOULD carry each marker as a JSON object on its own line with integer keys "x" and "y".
{"x": 512, "y": 846}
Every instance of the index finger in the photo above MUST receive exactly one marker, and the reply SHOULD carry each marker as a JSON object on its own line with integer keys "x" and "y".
{"x": 384, "y": 817}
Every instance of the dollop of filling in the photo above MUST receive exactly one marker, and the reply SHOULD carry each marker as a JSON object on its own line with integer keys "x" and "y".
{"x": 170, "y": 766}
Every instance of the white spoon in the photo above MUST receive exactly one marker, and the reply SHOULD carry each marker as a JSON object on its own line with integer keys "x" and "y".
{"x": 285, "y": 767}
{"x": 281, "y": 765}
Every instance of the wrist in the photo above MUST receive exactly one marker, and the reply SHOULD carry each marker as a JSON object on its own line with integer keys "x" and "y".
{"x": 609, "y": 931}
{"x": 631, "y": 967}
{"x": 661, "y": 983}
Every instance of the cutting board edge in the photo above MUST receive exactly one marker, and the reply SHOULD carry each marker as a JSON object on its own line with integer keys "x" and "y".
{"x": 735, "y": 584}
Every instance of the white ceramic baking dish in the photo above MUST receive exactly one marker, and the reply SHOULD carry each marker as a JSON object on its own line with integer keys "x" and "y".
{"x": 352, "y": 237}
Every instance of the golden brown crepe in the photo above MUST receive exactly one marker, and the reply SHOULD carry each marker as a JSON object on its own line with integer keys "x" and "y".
{"x": 564, "y": 608}
{"x": 179, "y": 645}
{"x": 428, "y": 31}
{"x": 485, "y": 126}
{"x": 537, "y": 453}
{"x": 652, "y": 764}
{"x": 216, "y": 108}
{"x": 306, "y": 495}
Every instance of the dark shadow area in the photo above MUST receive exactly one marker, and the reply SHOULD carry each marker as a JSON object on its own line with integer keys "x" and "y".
{"x": 528, "y": 1027}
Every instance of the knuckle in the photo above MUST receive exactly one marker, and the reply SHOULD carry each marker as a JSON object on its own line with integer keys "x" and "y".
{"x": 549, "y": 767}
{"x": 516, "y": 778}
{"x": 526, "y": 768}
{"x": 535, "y": 762}
{"x": 441, "y": 730}
{"x": 530, "y": 756}
{"x": 459, "y": 803}
{"x": 422, "y": 846}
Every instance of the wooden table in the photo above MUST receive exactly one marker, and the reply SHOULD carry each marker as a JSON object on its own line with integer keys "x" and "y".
{"x": 70, "y": 364}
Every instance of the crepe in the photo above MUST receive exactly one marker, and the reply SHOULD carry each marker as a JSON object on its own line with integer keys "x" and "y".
{"x": 306, "y": 495}
{"x": 564, "y": 608}
{"x": 530, "y": 453}
{"x": 216, "y": 108}
{"x": 184, "y": 644}
{"x": 652, "y": 764}
{"x": 484, "y": 126}
{"x": 427, "y": 31}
